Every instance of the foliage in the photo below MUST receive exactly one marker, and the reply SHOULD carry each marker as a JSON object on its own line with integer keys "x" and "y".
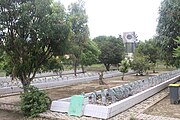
{"x": 2, "y": 60}
{"x": 177, "y": 50}
{"x": 32, "y": 32}
{"x": 150, "y": 50}
{"x": 90, "y": 53}
{"x": 5, "y": 63}
{"x": 80, "y": 31}
{"x": 112, "y": 50}
{"x": 140, "y": 63}
{"x": 124, "y": 67}
{"x": 168, "y": 30}
{"x": 34, "y": 102}
{"x": 55, "y": 64}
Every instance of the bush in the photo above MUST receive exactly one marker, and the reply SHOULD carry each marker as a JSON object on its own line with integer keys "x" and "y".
{"x": 34, "y": 102}
{"x": 140, "y": 64}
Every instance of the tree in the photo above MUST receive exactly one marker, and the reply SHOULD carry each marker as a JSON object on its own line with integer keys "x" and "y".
{"x": 6, "y": 65}
{"x": 150, "y": 50}
{"x": 55, "y": 64}
{"x": 80, "y": 31}
{"x": 1, "y": 59}
{"x": 112, "y": 50}
{"x": 140, "y": 63}
{"x": 90, "y": 54}
{"x": 177, "y": 50}
{"x": 124, "y": 67}
{"x": 168, "y": 29}
{"x": 33, "y": 31}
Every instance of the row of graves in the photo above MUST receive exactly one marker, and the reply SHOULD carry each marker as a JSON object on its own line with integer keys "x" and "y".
{"x": 109, "y": 102}
{"x": 7, "y": 87}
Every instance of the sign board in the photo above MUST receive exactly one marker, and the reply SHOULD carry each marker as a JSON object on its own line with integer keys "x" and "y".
{"x": 76, "y": 105}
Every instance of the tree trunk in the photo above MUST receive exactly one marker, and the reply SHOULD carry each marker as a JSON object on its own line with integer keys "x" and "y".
{"x": 154, "y": 71}
{"x": 75, "y": 68}
{"x": 82, "y": 67}
{"x": 107, "y": 66}
{"x": 101, "y": 82}
{"x": 60, "y": 73}
{"x": 26, "y": 84}
{"x": 122, "y": 77}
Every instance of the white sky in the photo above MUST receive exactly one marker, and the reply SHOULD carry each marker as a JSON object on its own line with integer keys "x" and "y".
{"x": 113, "y": 17}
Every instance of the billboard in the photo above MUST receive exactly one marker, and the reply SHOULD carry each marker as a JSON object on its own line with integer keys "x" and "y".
{"x": 129, "y": 37}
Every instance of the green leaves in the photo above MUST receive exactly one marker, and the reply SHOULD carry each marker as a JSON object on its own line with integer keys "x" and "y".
{"x": 34, "y": 102}
{"x": 168, "y": 29}
{"x": 176, "y": 51}
{"x": 90, "y": 53}
{"x": 140, "y": 63}
{"x": 112, "y": 49}
{"x": 34, "y": 31}
{"x": 124, "y": 66}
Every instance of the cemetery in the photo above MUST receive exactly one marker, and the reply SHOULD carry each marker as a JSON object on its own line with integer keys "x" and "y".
{"x": 89, "y": 60}
{"x": 7, "y": 87}
{"x": 109, "y": 102}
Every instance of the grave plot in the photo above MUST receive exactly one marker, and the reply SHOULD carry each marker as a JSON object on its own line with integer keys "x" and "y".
{"x": 109, "y": 102}
{"x": 8, "y": 87}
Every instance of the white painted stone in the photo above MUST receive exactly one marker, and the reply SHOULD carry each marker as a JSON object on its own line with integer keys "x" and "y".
{"x": 60, "y": 106}
{"x": 96, "y": 111}
{"x": 105, "y": 112}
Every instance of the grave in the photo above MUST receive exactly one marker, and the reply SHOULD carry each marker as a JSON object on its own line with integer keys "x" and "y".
{"x": 109, "y": 102}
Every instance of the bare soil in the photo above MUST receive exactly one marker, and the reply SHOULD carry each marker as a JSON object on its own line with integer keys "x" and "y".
{"x": 9, "y": 115}
{"x": 63, "y": 92}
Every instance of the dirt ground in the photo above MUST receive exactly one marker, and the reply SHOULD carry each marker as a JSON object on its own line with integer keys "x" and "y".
{"x": 62, "y": 92}
{"x": 9, "y": 115}
{"x": 164, "y": 108}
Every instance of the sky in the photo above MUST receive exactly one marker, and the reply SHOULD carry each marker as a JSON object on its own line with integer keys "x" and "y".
{"x": 113, "y": 17}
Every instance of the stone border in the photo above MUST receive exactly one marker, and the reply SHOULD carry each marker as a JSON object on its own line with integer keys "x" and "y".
{"x": 49, "y": 84}
{"x": 105, "y": 112}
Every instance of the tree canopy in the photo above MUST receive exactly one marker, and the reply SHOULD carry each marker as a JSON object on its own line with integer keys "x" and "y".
{"x": 149, "y": 49}
{"x": 168, "y": 29}
{"x": 124, "y": 67}
{"x": 177, "y": 50}
{"x": 90, "y": 53}
{"x": 32, "y": 32}
{"x": 140, "y": 63}
{"x": 80, "y": 31}
{"x": 112, "y": 50}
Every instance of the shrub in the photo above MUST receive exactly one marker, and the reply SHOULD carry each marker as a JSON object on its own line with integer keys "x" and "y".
{"x": 34, "y": 102}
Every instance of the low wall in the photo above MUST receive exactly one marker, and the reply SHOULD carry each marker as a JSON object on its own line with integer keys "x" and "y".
{"x": 105, "y": 112}
{"x": 48, "y": 84}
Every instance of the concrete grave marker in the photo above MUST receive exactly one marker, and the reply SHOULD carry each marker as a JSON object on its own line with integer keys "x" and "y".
{"x": 76, "y": 105}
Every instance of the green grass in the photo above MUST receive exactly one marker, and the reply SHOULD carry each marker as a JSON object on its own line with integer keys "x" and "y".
{"x": 95, "y": 67}
{"x": 98, "y": 67}
{"x": 162, "y": 67}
